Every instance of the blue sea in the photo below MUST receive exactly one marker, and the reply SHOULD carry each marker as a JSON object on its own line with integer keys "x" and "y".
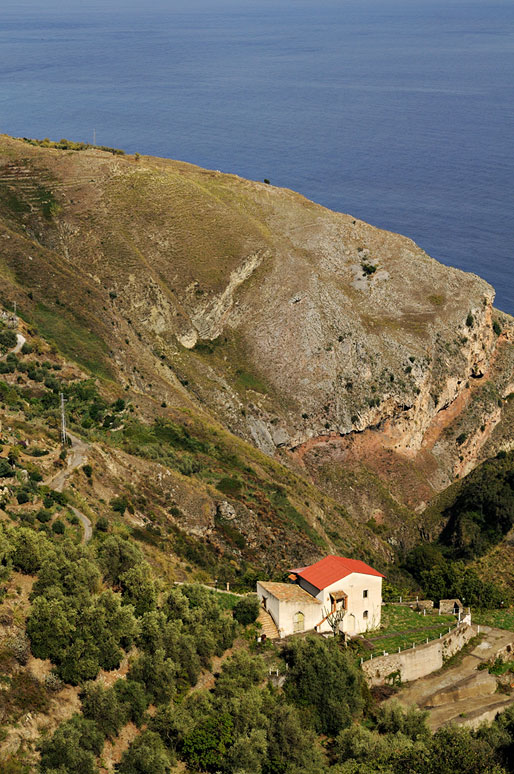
{"x": 399, "y": 112}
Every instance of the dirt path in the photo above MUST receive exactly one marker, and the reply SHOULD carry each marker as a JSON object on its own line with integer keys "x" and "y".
{"x": 20, "y": 341}
{"x": 209, "y": 588}
{"x": 76, "y": 458}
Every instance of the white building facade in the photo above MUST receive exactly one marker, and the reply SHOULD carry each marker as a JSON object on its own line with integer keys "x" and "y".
{"x": 347, "y": 588}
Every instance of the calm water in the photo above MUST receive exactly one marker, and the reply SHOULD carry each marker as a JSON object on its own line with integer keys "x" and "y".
{"x": 397, "y": 111}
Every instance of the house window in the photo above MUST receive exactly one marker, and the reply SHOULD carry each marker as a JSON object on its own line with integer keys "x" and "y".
{"x": 298, "y": 622}
{"x": 365, "y": 594}
{"x": 365, "y": 614}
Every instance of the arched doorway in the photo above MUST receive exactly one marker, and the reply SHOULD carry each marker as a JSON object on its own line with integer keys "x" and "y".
{"x": 298, "y": 622}
{"x": 349, "y": 623}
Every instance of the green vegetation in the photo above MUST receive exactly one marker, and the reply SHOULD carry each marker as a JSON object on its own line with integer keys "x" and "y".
{"x": 483, "y": 509}
{"x": 443, "y": 579}
{"x": 500, "y": 619}
{"x": 477, "y": 513}
{"x": 368, "y": 269}
{"x": 74, "y": 338}
{"x": 246, "y": 610}
{"x": 7, "y": 339}
{"x": 248, "y": 381}
{"x": 401, "y": 627}
{"x": 74, "y": 146}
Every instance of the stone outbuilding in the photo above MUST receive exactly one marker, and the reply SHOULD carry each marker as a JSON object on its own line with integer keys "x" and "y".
{"x": 451, "y": 607}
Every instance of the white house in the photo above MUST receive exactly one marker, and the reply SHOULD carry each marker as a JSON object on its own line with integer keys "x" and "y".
{"x": 333, "y": 584}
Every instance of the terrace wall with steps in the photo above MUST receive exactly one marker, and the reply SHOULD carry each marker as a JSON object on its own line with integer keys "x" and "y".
{"x": 268, "y": 626}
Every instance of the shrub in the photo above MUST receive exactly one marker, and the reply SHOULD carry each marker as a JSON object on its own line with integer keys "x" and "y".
{"x": 88, "y": 470}
{"x": 229, "y": 486}
{"x": 44, "y": 516}
{"x": 58, "y": 527}
{"x": 7, "y": 339}
{"x": 470, "y": 320}
{"x": 20, "y": 648}
{"x": 6, "y": 470}
{"x": 247, "y": 610}
{"x": 119, "y": 505}
{"x": 53, "y": 682}
{"x": 497, "y": 327}
{"x": 102, "y": 524}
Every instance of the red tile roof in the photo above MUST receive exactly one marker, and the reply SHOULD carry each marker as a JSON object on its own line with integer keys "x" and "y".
{"x": 332, "y": 568}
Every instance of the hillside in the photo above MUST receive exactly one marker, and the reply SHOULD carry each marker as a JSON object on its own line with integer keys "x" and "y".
{"x": 345, "y": 352}
{"x": 250, "y": 382}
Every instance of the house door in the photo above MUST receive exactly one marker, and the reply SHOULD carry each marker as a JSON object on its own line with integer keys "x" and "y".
{"x": 298, "y": 622}
{"x": 350, "y": 623}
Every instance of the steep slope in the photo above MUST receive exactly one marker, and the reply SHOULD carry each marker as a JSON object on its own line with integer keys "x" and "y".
{"x": 344, "y": 349}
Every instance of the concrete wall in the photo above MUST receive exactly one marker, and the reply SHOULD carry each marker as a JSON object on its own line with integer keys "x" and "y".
{"x": 419, "y": 661}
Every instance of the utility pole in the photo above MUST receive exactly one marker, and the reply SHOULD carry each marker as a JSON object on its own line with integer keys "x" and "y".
{"x": 64, "y": 436}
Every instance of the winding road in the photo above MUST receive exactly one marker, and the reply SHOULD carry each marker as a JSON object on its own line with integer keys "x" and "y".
{"x": 76, "y": 458}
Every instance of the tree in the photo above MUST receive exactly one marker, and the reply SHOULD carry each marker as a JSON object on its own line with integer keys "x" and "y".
{"x": 238, "y": 674}
{"x": 206, "y": 746}
{"x": 29, "y": 549}
{"x": 156, "y": 673}
{"x": 58, "y": 527}
{"x": 325, "y": 682}
{"x": 139, "y": 589}
{"x": 73, "y": 747}
{"x": 116, "y": 556}
{"x": 292, "y": 746}
{"x": 146, "y": 755}
{"x": 133, "y": 699}
{"x": 103, "y": 706}
{"x": 50, "y": 626}
{"x": 334, "y": 618}
{"x": 454, "y": 749}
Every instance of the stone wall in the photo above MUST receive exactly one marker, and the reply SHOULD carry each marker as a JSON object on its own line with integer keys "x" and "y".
{"x": 417, "y": 662}
{"x": 447, "y": 606}
{"x": 422, "y": 604}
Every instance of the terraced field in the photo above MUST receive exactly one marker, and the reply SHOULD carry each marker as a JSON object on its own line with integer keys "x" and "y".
{"x": 402, "y": 627}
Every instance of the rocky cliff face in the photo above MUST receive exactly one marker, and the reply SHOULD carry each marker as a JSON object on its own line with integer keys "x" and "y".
{"x": 313, "y": 335}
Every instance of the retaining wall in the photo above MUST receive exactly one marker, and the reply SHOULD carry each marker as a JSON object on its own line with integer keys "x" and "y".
{"x": 420, "y": 661}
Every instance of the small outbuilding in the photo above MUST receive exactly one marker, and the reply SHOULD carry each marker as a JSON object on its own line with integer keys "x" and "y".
{"x": 451, "y": 607}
